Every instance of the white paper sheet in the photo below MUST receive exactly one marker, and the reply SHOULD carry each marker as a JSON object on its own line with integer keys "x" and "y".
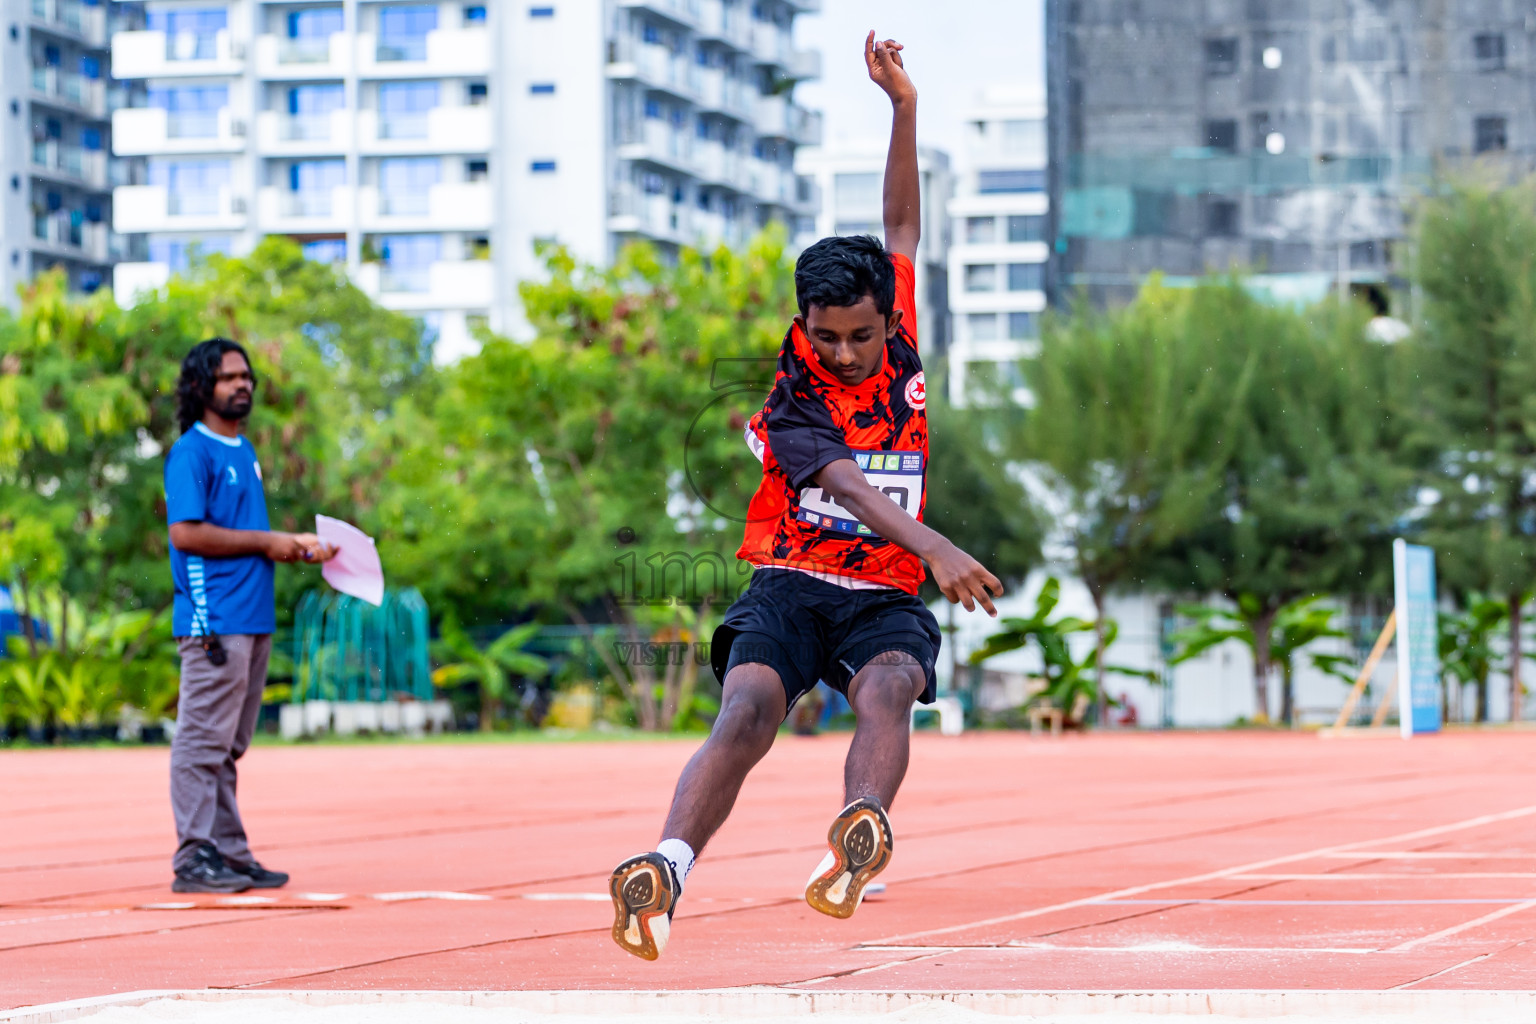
{"x": 356, "y": 569}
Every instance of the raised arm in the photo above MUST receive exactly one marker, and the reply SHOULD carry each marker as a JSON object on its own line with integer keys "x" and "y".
{"x": 902, "y": 206}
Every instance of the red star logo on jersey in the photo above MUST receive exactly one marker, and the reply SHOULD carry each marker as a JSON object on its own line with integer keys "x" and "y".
{"x": 917, "y": 392}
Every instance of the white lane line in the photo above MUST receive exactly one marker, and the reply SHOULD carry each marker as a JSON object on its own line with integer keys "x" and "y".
{"x": 1347, "y": 876}
{"x": 165, "y": 906}
{"x": 246, "y": 901}
{"x": 1210, "y": 876}
{"x": 901, "y": 962}
{"x": 1440, "y": 973}
{"x": 62, "y": 917}
{"x": 592, "y": 897}
{"x": 430, "y": 894}
{"x": 320, "y": 897}
{"x": 1429, "y": 855}
{"x": 1023, "y": 946}
{"x": 1445, "y": 933}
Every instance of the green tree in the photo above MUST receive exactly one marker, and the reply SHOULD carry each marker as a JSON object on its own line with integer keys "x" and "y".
{"x": 1125, "y": 431}
{"x": 491, "y": 669}
{"x": 1283, "y": 635}
{"x": 1472, "y": 381}
{"x": 1314, "y": 477}
{"x": 1467, "y": 653}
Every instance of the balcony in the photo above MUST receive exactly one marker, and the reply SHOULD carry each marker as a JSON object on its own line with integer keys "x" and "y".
{"x": 658, "y": 142}
{"x": 72, "y": 89}
{"x": 655, "y": 66}
{"x": 441, "y": 53}
{"x": 131, "y": 280}
{"x": 440, "y": 130}
{"x": 805, "y": 65}
{"x": 778, "y": 118}
{"x": 52, "y": 158}
{"x": 726, "y": 94}
{"x": 152, "y": 208}
{"x": 89, "y": 24}
{"x": 442, "y": 284}
{"x": 687, "y": 13}
{"x": 729, "y": 25}
{"x": 280, "y": 133}
{"x": 632, "y": 212}
{"x": 59, "y": 232}
{"x": 771, "y": 44}
{"x": 284, "y": 209}
{"x": 156, "y": 55}
{"x": 150, "y": 131}
{"x": 281, "y": 57}
{"x": 446, "y": 206}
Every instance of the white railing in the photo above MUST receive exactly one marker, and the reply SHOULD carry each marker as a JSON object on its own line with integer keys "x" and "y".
{"x": 305, "y": 128}
{"x": 311, "y": 50}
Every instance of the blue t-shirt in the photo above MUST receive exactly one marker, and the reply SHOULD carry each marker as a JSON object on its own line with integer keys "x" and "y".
{"x": 214, "y": 479}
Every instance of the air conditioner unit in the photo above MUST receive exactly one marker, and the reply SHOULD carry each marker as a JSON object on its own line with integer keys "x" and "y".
{"x": 237, "y": 204}
{"x": 237, "y": 128}
{"x": 236, "y": 50}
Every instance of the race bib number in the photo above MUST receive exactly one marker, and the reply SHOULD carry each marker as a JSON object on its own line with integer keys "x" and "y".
{"x": 897, "y": 475}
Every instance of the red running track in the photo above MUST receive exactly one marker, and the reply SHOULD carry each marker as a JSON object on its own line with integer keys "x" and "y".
{"x": 1190, "y": 862}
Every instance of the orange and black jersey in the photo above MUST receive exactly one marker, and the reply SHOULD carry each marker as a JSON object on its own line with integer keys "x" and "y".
{"x": 812, "y": 419}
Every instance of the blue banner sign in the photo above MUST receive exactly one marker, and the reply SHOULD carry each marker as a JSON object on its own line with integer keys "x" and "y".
{"x": 1418, "y": 655}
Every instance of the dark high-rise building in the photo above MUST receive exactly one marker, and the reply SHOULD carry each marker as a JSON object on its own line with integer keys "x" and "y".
{"x": 1280, "y": 136}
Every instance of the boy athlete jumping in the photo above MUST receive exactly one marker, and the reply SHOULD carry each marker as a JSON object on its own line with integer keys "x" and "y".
{"x": 835, "y": 531}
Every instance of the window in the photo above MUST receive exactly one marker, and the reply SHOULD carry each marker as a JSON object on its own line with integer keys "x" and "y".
{"x": 309, "y": 186}
{"x": 1261, "y": 124}
{"x": 1367, "y": 254}
{"x": 1023, "y": 326}
{"x": 856, "y": 190}
{"x": 653, "y": 109}
{"x": 178, "y": 253}
{"x": 403, "y": 31}
{"x": 1488, "y": 49}
{"x": 541, "y": 12}
{"x": 1221, "y": 135}
{"x": 650, "y": 33}
{"x": 1221, "y": 218}
{"x": 1026, "y": 277}
{"x": 1010, "y": 181}
{"x": 403, "y": 109}
{"x": 1024, "y": 136}
{"x": 316, "y": 99}
{"x": 981, "y": 277}
{"x": 980, "y": 230}
{"x": 1220, "y": 57}
{"x": 857, "y": 227}
{"x": 1026, "y": 228}
{"x": 192, "y": 186}
{"x": 541, "y": 166}
{"x": 190, "y": 34}
{"x": 477, "y": 94}
{"x": 474, "y": 15}
{"x": 1490, "y": 135}
{"x": 542, "y": 88}
{"x": 326, "y": 250}
{"x": 477, "y": 170}
{"x": 90, "y": 67}
{"x": 982, "y": 326}
{"x": 192, "y": 111}
{"x": 405, "y": 184}
{"x": 407, "y": 261}
{"x": 314, "y": 23}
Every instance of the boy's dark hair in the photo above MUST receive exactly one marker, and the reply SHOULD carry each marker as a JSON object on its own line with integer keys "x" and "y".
{"x": 199, "y": 372}
{"x": 841, "y": 270}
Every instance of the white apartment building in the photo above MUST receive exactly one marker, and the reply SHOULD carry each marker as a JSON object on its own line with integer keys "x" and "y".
{"x": 432, "y": 145}
{"x": 997, "y": 262}
{"x": 850, "y": 180}
{"x": 55, "y": 198}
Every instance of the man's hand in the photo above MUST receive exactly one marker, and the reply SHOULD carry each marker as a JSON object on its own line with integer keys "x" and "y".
{"x": 298, "y": 547}
{"x": 964, "y": 580}
{"x": 886, "y": 69}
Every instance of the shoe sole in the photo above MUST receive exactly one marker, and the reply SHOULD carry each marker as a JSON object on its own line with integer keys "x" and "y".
{"x": 180, "y": 885}
{"x": 643, "y": 899}
{"x": 268, "y": 884}
{"x": 861, "y": 842}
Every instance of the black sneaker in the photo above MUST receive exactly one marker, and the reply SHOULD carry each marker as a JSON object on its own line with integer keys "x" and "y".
{"x": 645, "y": 891}
{"x": 207, "y": 872}
{"x": 260, "y": 877}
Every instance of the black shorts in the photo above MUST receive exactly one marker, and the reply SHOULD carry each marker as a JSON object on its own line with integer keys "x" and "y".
{"x": 807, "y": 629}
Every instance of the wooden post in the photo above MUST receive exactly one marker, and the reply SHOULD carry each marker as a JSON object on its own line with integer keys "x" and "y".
{"x": 1388, "y": 631}
{"x": 1386, "y": 702}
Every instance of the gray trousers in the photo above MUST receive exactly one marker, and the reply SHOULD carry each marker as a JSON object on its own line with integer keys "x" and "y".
{"x": 215, "y": 718}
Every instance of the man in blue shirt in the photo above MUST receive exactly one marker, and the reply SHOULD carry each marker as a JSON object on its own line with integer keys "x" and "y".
{"x": 222, "y": 555}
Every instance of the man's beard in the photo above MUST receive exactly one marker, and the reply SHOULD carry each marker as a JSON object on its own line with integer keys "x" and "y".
{"x": 237, "y": 408}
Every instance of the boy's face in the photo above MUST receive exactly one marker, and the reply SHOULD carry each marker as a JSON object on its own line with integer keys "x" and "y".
{"x": 849, "y": 340}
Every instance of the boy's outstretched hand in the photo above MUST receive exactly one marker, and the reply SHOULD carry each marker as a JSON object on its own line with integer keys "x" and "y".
{"x": 886, "y": 70}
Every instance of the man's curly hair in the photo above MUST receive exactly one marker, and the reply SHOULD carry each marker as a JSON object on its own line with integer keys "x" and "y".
{"x": 199, "y": 373}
